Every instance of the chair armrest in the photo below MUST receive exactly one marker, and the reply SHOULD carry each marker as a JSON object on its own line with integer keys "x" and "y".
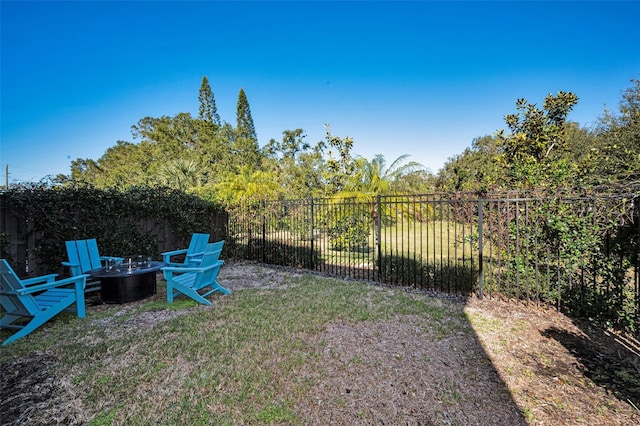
{"x": 105, "y": 259}
{"x": 183, "y": 269}
{"x": 174, "y": 264}
{"x": 193, "y": 259}
{"x": 74, "y": 268}
{"x": 200, "y": 254}
{"x": 54, "y": 284}
{"x": 169, "y": 271}
{"x": 191, "y": 268}
{"x": 166, "y": 256}
{"x": 117, "y": 259}
{"x": 39, "y": 280}
{"x": 174, "y": 252}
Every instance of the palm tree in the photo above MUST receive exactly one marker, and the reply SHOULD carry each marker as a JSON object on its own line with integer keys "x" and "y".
{"x": 182, "y": 174}
{"x": 374, "y": 178}
{"x": 371, "y": 179}
{"x": 247, "y": 187}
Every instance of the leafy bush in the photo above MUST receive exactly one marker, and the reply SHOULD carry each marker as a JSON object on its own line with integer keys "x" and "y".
{"x": 133, "y": 221}
{"x": 350, "y": 232}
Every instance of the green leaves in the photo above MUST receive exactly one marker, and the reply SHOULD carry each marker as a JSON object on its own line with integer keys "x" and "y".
{"x": 118, "y": 219}
{"x": 535, "y": 136}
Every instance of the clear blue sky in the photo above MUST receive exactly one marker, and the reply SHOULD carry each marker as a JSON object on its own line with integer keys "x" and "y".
{"x": 422, "y": 78}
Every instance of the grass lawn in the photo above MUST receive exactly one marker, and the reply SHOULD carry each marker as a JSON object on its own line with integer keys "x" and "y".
{"x": 292, "y": 348}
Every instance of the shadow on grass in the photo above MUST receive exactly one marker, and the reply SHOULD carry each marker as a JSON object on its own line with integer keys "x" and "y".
{"x": 453, "y": 276}
{"x": 610, "y": 361}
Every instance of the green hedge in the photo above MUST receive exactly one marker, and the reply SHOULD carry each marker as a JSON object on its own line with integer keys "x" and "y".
{"x": 124, "y": 222}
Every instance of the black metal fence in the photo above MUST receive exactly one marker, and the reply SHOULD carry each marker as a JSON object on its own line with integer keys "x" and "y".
{"x": 579, "y": 252}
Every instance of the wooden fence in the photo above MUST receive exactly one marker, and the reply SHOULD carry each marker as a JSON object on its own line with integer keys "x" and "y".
{"x": 30, "y": 250}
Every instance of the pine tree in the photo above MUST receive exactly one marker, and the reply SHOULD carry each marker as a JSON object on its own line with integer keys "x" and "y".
{"x": 208, "y": 110}
{"x": 245, "y": 146}
{"x": 245, "y": 127}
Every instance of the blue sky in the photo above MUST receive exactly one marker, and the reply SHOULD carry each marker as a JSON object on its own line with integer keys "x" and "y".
{"x": 422, "y": 78}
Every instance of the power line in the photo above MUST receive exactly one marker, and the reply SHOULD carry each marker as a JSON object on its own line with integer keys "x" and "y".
{"x": 13, "y": 166}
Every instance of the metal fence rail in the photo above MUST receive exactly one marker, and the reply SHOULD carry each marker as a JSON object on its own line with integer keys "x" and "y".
{"x": 572, "y": 252}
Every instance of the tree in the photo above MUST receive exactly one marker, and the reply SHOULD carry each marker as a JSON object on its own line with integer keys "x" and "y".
{"x": 581, "y": 152}
{"x": 245, "y": 127}
{"x": 373, "y": 177}
{"x": 175, "y": 135}
{"x": 475, "y": 169}
{"x": 248, "y": 187}
{"x": 122, "y": 166}
{"x": 181, "y": 173}
{"x": 245, "y": 146}
{"x": 208, "y": 111}
{"x": 297, "y": 164}
{"x": 534, "y": 150}
{"x": 350, "y": 224}
{"x": 617, "y": 150}
{"x": 83, "y": 171}
{"x": 293, "y": 142}
{"x": 339, "y": 169}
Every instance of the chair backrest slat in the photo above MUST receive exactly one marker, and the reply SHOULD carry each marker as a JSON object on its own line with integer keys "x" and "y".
{"x": 12, "y": 301}
{"x": 85, "y": 253}
{"x": 72, "y": 252}
{"x": 209, "y": 258}
{"x": 94, "y": 255}
{"x": 218, "y": 245}
{"x": 198, "y": 243}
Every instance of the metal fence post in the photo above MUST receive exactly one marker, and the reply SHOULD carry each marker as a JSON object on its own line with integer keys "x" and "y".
{"x": 264, "y": 231}
{"x": 312, "y": 236}
{"x": 378, "y": 234}
{"x": 637, "y": 260}
{"x": 480, "y": 229}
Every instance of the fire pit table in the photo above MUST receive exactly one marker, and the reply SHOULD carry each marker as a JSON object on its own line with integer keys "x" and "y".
{"x": 132, "y": 279}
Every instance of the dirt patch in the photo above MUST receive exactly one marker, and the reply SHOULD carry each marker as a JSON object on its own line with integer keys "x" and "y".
{"x": 522, "y": 365}
{"x": 560, "y": 371}
{"x": 32, "y": 394}
{"x": 395, "y": 373}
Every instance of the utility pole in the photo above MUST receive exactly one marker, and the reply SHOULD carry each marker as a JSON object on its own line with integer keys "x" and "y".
{"x": 6, "y": 176}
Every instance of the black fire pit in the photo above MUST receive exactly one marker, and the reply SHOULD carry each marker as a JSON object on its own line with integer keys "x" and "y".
{"x": 131, "y": 280}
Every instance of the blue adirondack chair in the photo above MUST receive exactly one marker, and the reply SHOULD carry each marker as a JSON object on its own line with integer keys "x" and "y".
{"x": 36, "y": 300}
{"x": 195, "y": 250}
{"x": 190, "y": 281}
{"x": 217, "y": 246}
{"x": 84, "y": 256}
{"x": 211, "y": 247}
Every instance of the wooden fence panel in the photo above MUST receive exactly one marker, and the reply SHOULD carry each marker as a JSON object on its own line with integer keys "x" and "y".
{"x": 19, "y": 240}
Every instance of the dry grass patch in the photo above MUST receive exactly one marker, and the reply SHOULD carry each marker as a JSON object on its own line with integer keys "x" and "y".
{"x": 560, "y": 371}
